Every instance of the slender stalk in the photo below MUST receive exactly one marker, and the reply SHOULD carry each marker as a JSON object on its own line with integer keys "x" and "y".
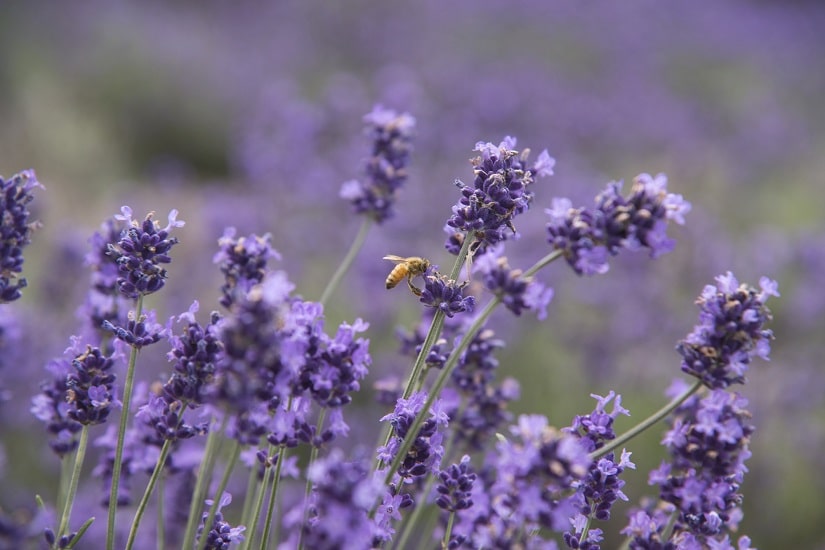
{"x": 254, "y": 513}
{"x": 161, "y": 530}
{"x": 346, "y": 263}
{"x": 273, "y": 497}
{"x": 202, "y": 485}
{"x": 121, "y": 434}
{"x": 80, "y": 532}
{"x": 448, "y": 531}
{"x": 646, "y": 423}
{"x": 80, "y": 455}
{"x": 252, "y": 496}
{"x": 147, "y": 493}
{"x": 313, "y": 455}
{"x": 213, "y": 510}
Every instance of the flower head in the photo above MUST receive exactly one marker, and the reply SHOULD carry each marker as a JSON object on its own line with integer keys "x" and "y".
{"x": 516, "y": 291}
{"x": 730, "y": 331}
{"x": 140, "y": 251}
{"x": 499, "y": 193}
{"x": 588, "y": 236}
{"x": 445, "y": 295}
{"x": 15, "y": 231}
{"x": 386, "y": 170}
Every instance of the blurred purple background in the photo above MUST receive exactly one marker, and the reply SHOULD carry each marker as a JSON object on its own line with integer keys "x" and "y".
{"x": 249, "y": 114}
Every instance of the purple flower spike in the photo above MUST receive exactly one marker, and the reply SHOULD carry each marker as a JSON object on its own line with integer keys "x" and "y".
{"x": 140, "y": 251}
{"x": 515, "y": 291}
{"x": 588, "y": 236}
{"x": 446, "y": 295}
{"x": 386, "y": 169}
{"x": 499, "y": 193}
{"x": 730, "y": 331}
{"x": 15, "y": 231}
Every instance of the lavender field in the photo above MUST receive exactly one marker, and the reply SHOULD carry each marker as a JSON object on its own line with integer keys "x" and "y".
{"x": 233, "y": 370}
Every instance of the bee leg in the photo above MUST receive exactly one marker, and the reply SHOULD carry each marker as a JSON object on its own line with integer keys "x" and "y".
{"x": 414, "y": 289}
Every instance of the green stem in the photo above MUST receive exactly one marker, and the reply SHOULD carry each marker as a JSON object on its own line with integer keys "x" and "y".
{"x": 203, "y": 479}
{"x": 216, "y": 500}
{"x": 273, "y": 497}
{"x": 252, "y": 496}
{"x": 354, "y": 248}
{"x": 647, "y": 423}
{"x": 313, "y": 455}
{"x": 80, "y": 456}
{"x": 161, "y": 530}
{"x": 121, "y": 434}
{"x": 448, "y": 531}
{"x": 147, "y": 493}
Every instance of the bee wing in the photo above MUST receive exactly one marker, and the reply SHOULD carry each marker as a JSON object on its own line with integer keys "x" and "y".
{"x": 394, "y": 258}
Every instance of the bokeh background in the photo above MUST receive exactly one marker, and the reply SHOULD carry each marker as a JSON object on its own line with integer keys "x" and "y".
{"x": 248, "y": 114}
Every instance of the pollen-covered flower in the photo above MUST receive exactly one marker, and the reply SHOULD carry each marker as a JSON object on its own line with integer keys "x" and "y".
{"x": 15, "y": 231}
{"x": 500, "y": 191}
{"x": 588, "y": 236}
{"x": 140, "y": 251}
{"x": 445, "y": 294}
{"x": 386, "y": 169}
{"x": 515, "y": 291}
{"x": 242, "y": 261}
{"x": 730, "y": 331}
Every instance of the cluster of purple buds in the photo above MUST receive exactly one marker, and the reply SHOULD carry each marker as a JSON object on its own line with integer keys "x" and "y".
{"x": 589, "y": 236}
{"x": 427, "y": 449}
{"x": 709, "y": 444}
{"x": 221, "y": 535}
{"x": 50, "y": 406}
{"x": 482, "y": 409}
{"x": 90, "y": 389}
{"x": 515, "y": 291}
{"x": 500, "y": 191}
{"x": 730, "y": 331}
{"x": 242, "y": 261}
{"x": 137, "y": 333}
{"x": 386, "y": 169}
{"x": 15, "y": 231}
{"x": 445, "y": 294}
{"x": 141, "y": 250}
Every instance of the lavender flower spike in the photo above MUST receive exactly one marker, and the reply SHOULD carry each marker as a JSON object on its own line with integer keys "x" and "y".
{"x": 140, "y": 250}
{"x": 445, "y": 294}
{"x": 386, "y": 170}
{"x": 587, "y": 236}
{"x": 15, "y": 231}
{"x": 730, "y": 331}
{"x": 499, "y": 193}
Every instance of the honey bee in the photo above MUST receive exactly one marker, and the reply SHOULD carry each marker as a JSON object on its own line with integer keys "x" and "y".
{"x": 406, "y": 267}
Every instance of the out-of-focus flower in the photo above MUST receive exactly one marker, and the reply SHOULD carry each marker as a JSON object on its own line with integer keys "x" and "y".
{"x": 15, "y": 231}
{"x": 386, "y": 170}
{"x": 242, "y": 261}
